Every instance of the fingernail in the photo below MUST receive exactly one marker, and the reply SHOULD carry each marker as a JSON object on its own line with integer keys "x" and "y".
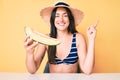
{"x": 88, "y": 28}
{"x": 36, "y": 42}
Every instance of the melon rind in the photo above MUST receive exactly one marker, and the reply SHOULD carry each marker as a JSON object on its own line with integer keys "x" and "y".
{"x": 41, "y": 38}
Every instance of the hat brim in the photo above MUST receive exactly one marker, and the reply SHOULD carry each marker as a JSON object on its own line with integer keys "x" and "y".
{"x": 46, "y": 14}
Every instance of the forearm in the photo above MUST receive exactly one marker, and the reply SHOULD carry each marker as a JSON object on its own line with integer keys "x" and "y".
{"x": 30, "y": 63}
{"x": 89, "y": 60}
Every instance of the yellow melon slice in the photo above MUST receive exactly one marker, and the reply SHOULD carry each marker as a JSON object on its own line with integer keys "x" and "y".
{"x": 41, "y": 38}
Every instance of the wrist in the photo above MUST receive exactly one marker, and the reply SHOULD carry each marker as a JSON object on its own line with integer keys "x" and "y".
{"x": 91, "y": 39}
{"x": 28, "y": 54}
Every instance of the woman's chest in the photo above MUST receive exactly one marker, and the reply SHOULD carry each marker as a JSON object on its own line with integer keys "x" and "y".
{"x": 63, "y": 50}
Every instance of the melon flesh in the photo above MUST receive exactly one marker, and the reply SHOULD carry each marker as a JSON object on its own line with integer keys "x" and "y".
{"x": 41, "y": 38}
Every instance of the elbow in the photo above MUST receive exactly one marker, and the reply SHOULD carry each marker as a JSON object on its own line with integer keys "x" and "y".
{"x": 31, "y": 71}
{"x": 88, "y": 72}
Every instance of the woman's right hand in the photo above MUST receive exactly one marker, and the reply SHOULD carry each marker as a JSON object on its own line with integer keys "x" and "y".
{"x": 29, "y": 45}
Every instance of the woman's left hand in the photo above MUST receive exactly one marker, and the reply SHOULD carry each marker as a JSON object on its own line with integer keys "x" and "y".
{"x": 91, "y": 31}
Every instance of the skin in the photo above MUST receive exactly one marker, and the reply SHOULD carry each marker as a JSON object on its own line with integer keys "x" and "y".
{"x": 85, "y": 54}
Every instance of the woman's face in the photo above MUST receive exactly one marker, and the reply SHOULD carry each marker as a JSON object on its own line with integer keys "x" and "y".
{"x": 61, "y": 19}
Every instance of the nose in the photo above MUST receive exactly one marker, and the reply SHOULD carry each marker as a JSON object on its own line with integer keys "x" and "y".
{"x": 61, "y": 18}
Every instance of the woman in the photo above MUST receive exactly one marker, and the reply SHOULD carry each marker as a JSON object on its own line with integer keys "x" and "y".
{"x": 72, "y": 52}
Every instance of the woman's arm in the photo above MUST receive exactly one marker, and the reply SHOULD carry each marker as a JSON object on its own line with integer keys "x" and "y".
{"x": 34, "y": 54}
{"x": 86, "y": 55}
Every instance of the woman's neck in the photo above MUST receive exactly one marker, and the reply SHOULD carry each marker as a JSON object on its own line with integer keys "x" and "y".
{"x": 62, "y": 34}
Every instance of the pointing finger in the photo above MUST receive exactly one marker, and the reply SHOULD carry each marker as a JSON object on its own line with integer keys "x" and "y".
{"x": 96, "y": 23}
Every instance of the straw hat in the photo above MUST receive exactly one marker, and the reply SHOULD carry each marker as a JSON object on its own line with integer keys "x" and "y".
{"x": 46, "y": 13}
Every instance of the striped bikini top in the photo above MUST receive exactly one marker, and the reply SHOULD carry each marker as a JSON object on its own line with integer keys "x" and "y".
{"x": 72, "y": 57}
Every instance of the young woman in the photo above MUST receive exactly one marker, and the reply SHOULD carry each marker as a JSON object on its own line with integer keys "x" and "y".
{"x": 72, "y": 52}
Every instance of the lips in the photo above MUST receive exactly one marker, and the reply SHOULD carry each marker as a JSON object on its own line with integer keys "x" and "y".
{"x": 61, "y": 24}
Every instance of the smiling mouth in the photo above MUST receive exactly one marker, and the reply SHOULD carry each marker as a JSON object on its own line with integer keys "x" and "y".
{"x": 61, "y": 24}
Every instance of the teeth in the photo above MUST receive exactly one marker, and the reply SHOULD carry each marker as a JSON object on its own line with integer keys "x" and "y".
{"x": 61, "y": 24}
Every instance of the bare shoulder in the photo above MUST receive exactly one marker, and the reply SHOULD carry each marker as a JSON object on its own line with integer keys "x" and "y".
{"x": 80, "y": 38}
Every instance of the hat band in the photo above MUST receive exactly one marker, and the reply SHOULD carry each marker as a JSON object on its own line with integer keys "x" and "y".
{"x": 62, "y": 4}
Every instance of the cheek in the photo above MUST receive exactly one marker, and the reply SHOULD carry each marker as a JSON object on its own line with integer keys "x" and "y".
{"x": 67, "y": 21}
{"x": 56, "y": 20}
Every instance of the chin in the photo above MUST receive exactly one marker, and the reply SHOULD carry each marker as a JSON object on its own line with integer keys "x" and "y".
{"x": 61, "y": 29}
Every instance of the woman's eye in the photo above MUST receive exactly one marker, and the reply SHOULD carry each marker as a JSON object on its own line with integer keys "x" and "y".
{"x": 56, "y": 16}
{"x": 65, "y": 15}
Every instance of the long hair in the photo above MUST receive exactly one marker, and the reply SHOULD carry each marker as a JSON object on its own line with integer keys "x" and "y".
{"x": 53, "y": 32}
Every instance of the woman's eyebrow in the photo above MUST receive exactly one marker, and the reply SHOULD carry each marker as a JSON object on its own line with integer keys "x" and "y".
{"x": 59, "y": 13}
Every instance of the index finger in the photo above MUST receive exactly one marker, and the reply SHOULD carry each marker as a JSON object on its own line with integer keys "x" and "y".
{"x": 96, "y": 23}
{"x": 27, "y": 37}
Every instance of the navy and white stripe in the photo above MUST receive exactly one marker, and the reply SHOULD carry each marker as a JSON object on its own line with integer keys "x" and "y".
{"x": 73, "y": 56}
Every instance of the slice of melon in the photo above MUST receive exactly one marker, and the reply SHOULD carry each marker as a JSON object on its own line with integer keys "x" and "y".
{"x": 41, "y": 38}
